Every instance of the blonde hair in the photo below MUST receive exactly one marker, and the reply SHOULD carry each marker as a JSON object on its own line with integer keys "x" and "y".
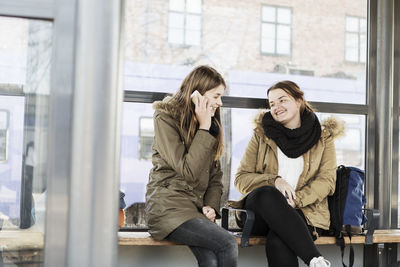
{"x": 202, "y": 79}
{"x": 293, "y": 90}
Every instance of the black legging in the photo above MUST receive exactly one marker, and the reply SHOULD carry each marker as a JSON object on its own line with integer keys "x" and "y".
{"x": 287, "y": 233}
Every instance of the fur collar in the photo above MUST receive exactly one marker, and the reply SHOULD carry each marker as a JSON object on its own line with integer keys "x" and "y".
{"x": 331, "y": 126}
{"x": 168, "y": 105}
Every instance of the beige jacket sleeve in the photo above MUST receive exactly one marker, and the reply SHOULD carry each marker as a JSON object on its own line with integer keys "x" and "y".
{"x": 247, "y": 178}
{"x": 324, "y": 182}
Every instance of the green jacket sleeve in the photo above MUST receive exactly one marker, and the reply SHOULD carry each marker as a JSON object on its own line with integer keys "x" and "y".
{"x": 324, "y": 181}
{"x": 188, "y": 164}
{"x": 247, "y": 179}
{"x": 213, "y": 194}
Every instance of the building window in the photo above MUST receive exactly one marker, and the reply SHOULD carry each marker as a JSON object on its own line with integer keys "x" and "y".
{"x": 276, "y": 30}
{"x": 356, "y": 39}
{"x": 184, "y": 22}
{"x": 146, "y": 136}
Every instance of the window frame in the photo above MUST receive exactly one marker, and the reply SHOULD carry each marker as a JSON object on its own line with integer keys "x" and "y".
{"x": 276, "y": 24}
{"x": 359, "y": 33}
{"x": 185, "y": 13}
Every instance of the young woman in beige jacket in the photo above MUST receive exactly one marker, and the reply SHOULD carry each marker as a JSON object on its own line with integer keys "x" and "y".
{"x": 286, "y": 175}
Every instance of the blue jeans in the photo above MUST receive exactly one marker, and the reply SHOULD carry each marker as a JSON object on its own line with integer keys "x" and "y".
{"x": 210, "y": 244}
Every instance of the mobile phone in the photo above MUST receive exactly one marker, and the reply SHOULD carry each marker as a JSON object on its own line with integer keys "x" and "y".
{"x": 194, "y": 96}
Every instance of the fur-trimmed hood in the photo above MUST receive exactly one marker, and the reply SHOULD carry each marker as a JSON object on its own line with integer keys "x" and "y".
{"x": 167, "y": 105}
{"x": 332, "y": 126}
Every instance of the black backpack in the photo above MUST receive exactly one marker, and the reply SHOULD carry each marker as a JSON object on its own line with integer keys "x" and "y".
{"x": 346, "y": 207}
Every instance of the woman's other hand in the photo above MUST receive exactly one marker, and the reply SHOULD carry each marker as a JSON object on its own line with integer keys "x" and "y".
{"x": 209, "y": 213}
{"x": 203, "y": 111}
{"x": 286, "y": 190}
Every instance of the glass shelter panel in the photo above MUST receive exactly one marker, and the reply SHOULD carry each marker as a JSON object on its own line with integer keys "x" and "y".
{"x": 25, "y": 59}
{"x": 253, "y": 45}
{"x": 323, "y": 49}
{"x": 137, "y": 135}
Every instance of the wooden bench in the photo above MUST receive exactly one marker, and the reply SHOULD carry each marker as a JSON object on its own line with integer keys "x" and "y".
{"x": 22, "y": 247}
{"x": 144, "y": 239}
{"x": 372, "y": 216}
{"x": 24, "y": 239}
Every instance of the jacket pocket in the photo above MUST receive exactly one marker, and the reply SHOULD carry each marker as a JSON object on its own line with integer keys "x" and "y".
{"x": 179, "y": 186}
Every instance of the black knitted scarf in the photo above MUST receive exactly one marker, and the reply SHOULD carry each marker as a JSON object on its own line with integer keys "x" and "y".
{"x": 214, "y": 129}
{"x": 293, "y": 142}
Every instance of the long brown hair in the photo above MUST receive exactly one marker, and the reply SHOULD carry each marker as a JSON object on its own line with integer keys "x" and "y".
{"x": 202, "y": 79}
{"x": 293, "y": 90}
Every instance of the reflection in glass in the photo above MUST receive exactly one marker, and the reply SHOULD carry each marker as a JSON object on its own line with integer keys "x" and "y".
{"x": 268, "y": 31}
{"x": 136, "y": 140}
{"x": 284, "y": 15}
{"x": 351, "y": 24}
{"x": 350, "y": 148}
{"x": 356, "y": 41}
{"x": 184, "y": 22}
{"x": 193, "y": 6}
{"x": 146, "y": 136}
{"x": 177, "y": 5}
{"x": 4, "y": 131}
{"x": 25, "y": 59}
{"x": 253, "y": 44}
{"x": 268, "y": 14}
{"x": 175, "y": 36}
{"x": 192, "y": 37}
{"x": 193, "y": 22}
{"x": 176, "y": 20}
{"x": 276, "y": 30}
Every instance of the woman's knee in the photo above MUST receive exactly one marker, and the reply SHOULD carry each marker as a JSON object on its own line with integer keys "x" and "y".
{"x": 262, "y": 196}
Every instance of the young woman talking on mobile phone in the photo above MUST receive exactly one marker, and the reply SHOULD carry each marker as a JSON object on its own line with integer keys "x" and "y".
{"x": 184, "y": 190}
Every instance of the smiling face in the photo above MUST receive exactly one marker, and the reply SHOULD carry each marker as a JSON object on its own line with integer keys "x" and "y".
{"x": 214, "y": 97}
{"x": 284, "y": 108}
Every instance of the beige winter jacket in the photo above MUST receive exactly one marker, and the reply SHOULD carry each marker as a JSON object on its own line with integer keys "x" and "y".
{"x": 259, "y": 167}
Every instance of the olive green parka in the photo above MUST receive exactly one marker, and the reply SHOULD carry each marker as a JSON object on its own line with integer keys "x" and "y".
{"x": 259, "y": 167}
{"x": 184, "y": 177}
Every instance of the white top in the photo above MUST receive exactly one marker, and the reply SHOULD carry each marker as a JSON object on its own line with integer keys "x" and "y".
{"x": 290, "y": 169}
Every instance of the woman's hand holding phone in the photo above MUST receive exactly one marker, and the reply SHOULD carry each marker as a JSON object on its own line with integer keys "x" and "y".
{"x": 202, "y": 110}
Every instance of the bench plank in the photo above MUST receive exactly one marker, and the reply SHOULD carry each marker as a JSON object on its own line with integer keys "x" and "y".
{"x": 21, "y": 239}
{"x": 140, "y": 239}
{"x": 144, "y": 239}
